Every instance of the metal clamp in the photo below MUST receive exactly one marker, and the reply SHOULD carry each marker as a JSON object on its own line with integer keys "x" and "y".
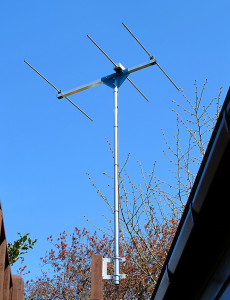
{"x": 119, "y": 68}
{"x": 59, "y": 95}
{"x": 105, "y": 261}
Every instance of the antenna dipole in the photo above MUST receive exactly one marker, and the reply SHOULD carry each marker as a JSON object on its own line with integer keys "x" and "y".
{"x": 115, "y": 66}
{"x": 149, "y": 55}
{"x": 101, "y": 50}
{"x": 137, "y": 89}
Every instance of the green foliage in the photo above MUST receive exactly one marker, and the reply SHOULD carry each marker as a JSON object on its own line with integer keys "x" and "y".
{"x": 20, "y": 247}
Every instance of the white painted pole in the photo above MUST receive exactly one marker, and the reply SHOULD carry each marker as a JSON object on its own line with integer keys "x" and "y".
{"x": 116, "y": 191}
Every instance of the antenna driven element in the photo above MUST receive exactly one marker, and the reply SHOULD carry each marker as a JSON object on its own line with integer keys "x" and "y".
{"x": 137, "y": 89}
{"x": 101, "y": 50}
{"x": 116, "y": 66}
{"x": 59, "y": 91}
{"x": 149, "y": 55}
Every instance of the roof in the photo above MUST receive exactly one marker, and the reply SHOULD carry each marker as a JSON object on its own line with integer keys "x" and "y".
{"x": 198, "y": 262}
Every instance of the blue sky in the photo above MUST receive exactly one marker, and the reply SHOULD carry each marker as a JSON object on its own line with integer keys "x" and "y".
{"x": 47, "y": 146}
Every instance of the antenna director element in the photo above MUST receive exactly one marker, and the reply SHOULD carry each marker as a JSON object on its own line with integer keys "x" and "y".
{"x": 119, "y": 77}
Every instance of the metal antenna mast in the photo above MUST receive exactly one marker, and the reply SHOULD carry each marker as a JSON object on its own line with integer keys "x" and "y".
{"x": 114, "y": 81}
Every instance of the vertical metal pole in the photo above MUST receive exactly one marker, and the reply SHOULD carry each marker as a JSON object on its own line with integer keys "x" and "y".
{"x": 116, "y": 190}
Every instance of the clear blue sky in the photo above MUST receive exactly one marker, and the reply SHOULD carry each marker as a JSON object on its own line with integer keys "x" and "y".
{"x": 47, "y": 146}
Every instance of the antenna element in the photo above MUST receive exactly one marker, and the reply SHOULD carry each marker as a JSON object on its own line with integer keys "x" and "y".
{"x": 149, "y": 55}
{"x": 116, "y": 66}
{"x": 167, "y": 76}
{"x": 137, "y": 40}
{"x": 42, "y": 76}
{"x": 137, "y": 89}
{"x": 101, "y": 50}
{"x": 59, "y": 91}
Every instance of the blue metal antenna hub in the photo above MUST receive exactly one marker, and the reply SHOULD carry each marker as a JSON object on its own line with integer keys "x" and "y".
{"x": 115, "y": 79}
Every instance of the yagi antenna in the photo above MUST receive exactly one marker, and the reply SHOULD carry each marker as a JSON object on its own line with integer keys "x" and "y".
{"x": 114, "y": 81}
{"x": 59, "y": 91}
{"x": 149, "y": 55}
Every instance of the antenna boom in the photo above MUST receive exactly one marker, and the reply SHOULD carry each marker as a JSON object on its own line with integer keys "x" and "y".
{"x": 81, "y": 88}
{"x": 111, "y": 76}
